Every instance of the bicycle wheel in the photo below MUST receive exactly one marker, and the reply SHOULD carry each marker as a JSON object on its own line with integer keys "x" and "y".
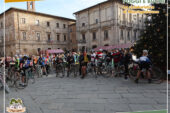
{"x": 32, "y": 77}
{"x": 132, "y": 73}
{"x": 104, "y": 71}
{"x": 7, "y": 90}
{"x": 11, "y": 80}
{"x": 18, "y": 82}
{"x": 156, "y": 74}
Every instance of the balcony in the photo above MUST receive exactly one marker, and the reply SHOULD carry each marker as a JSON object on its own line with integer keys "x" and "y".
{"x": 136, "y": 26}
{"x": 82, "y": 41}
{"x": 122, "y": 23}
{"x": 106, "y": 23}
{"x": 83, "y": 28}
{"x": 94, "y": 26}
{"x": 129, "y": 24}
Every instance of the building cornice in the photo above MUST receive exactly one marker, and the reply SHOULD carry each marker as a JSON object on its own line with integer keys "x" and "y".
{"x": 108, "y": 1}
{"x": 36, "y": 13}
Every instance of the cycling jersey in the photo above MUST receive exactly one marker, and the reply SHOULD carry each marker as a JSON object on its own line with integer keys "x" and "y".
{"x": 93, "y": 56}
{"x": 116, "y": 57}
{"x": 99, "y": 55}
{"x": 144, "y": 59}
{"x": 144, "y": 63}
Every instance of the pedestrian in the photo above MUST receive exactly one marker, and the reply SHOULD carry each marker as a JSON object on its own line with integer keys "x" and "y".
{"x": 127, "y": 59}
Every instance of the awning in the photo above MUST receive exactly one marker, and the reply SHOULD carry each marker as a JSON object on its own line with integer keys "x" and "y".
{"x": 55, "y": 51}
{"x": 119, "y": 46}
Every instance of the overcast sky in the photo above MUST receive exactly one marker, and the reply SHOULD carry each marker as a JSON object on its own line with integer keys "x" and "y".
{"x": 64, "y": 8}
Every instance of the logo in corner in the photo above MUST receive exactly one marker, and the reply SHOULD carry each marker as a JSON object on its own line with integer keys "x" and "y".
{"x": 16, "y": 106}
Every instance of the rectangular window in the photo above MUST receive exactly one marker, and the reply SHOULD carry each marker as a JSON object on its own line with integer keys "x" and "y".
{"x": 94, "y": 36}
{"x": 137, "y": 17}
{"x": 58, "y": 37}
{"x": 96, "y": 21}
{"x": 1, "y": 40}
{"x": 37, "y": 22}
{"x": 38, "y": 36}
{"x": 24, "y": 35}
{"x": 64, "y": 26}
{"x": 48, "y": 24}
{"x": 128, "y": 36}
{"x": 71, "y": 30}
{"x": 39, "y": 49}
{"x": 65, "y": 39}
{"x": 106, "y": 35}
{"x": 134, "y": 17}
{"x": 49, "y": 37}
{"x": 83, "y": 37}
{"x": 124, "y": 18}
{"x": 83, "y": 24}
{"x": 57, "y": 25}
{"x": 23, "y": 21}
{"x": 121, "y": 36}
{"x": 134, "y": 35}
{"x": 1, "y": 24}
{"x": 130, "y": 17}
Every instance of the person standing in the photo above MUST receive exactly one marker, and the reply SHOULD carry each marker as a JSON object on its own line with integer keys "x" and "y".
{"x": 144, "y": 63}
{"x": 127, "y": 59}
{"x": 81, "y": 59}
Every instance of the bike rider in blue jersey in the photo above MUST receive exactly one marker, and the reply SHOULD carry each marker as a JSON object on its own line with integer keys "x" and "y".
{"x": 144, "y": 63}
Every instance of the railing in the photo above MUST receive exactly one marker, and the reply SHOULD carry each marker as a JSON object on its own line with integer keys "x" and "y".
{"x": 136, "y": 26}
{"x": 122, "y": 23}
{"x": 82, "y": 28}
{"x": 93, "y": 26}
{"x": 106, "y": 23}
{"x": 81, "y": 41}
{"x": 129, "y": 24}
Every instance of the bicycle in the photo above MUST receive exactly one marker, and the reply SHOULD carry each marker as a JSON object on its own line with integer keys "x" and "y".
{"x": 29, "y": 75}
{"x": 38, "y": 70}
{"x": 73, "y": 69}
{"x": 60, "y": 68}
{"x": 101, "y": 69}
{"x": 156, "y": 73}
{"x": 3, "y": 84}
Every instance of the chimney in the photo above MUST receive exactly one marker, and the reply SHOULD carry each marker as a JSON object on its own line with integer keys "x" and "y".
{"x": 31, "y": 6}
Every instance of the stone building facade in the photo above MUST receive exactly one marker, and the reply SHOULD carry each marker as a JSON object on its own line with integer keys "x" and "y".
{"x": 72, "y": 36}
{"x": 28, "y": 32}
{"x": 105, "y": 24}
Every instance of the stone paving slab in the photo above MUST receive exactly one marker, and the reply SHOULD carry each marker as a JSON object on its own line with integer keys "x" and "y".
{"x": 101, "y": 95}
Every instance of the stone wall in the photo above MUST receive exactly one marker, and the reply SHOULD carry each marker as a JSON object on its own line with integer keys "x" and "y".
{"x": 27, "y": 32}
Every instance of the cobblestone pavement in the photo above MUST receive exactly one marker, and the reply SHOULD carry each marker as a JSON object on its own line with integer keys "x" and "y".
{"x": 90, "y": 95}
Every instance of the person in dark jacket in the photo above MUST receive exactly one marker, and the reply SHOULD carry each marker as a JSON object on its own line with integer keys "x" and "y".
{"x": 127, "y": 59}
{"x": 70, "y": 60}
{"x": 81, "y": 59}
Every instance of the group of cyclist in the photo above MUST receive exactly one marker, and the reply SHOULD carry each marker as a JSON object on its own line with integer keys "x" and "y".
{"x": 64, "y": 62}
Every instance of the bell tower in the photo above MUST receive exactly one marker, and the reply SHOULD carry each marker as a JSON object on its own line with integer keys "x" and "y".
{"x": 31, "y": 6}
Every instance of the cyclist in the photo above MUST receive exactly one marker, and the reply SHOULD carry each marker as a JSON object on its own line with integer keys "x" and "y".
{"x": 84, "y": 62}
{"x": 41, "y": 61}
{"x": 59, "y": 66}
{"x": 127, "y": 59}
{"x": 108, "y": 58}
{"x": 93, "y": 58}
{"x": 144, "y": 63}
{"x": 47, "y": 64}
{"x": 116, "y": 56}
{"x": 81, "y": 59}
{"x": 23, "y": 67}
{"x": 99, "y": 57}
{"x": 70, "y": 60}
